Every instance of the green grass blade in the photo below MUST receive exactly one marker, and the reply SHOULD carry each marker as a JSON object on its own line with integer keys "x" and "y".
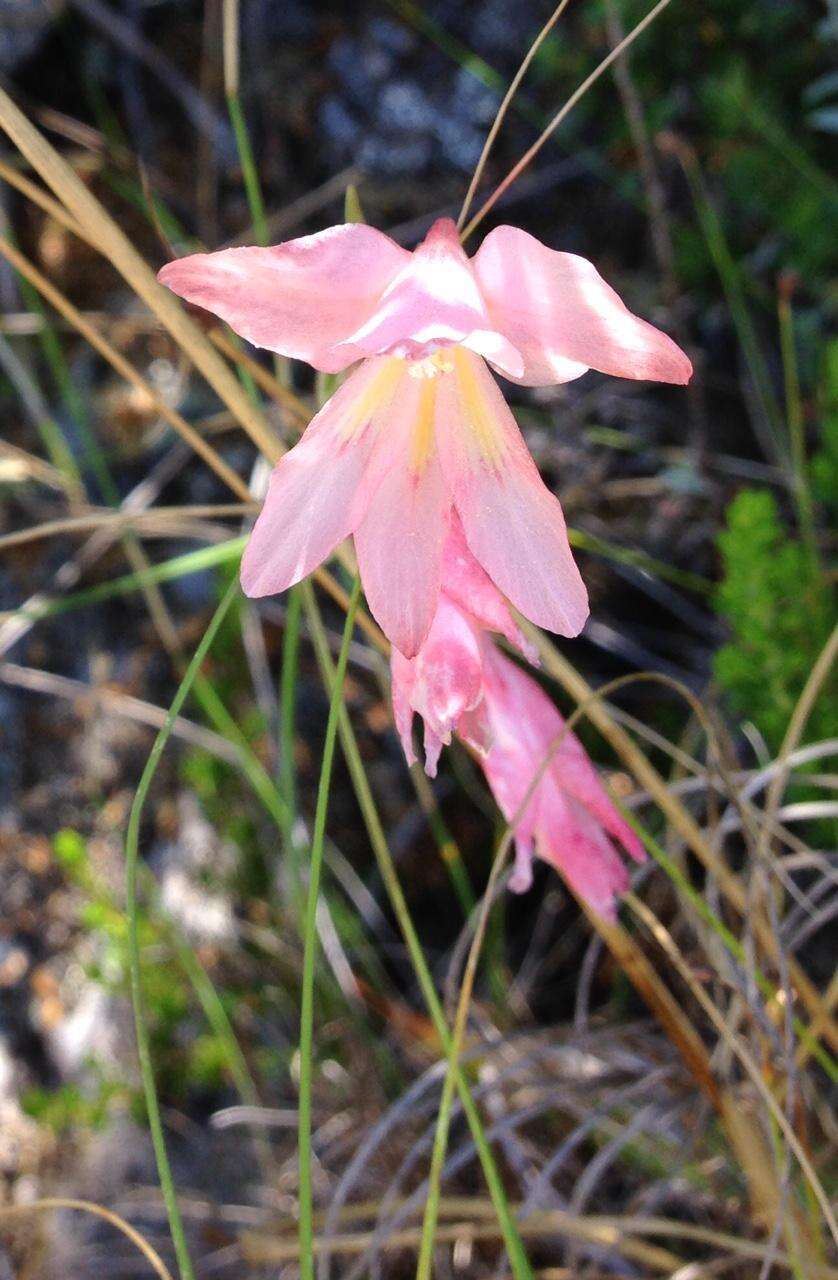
{"x": 131, "y": 859}
{"x": 166, "y": 571}
{"x": 518, "y": 1260}
{"x": 252, "y": 186}
{"x": 306, "y": 1230}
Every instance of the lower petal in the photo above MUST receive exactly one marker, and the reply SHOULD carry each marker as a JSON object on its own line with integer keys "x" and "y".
{"x": 469, "y": 586}
{"x": 521, "y": 878}
{"x": 577, "y": 776}
{"x": 399, "y": 541}
{"x": 574, "y": 843}
{"x": 316, "y": 495}
{"x": 449, "y": 670}
{"x": 402, "y": 677}
{"x": 513, "y": 525}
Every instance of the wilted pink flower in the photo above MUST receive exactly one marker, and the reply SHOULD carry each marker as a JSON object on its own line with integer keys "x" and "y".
{"x": 569, "y": 818}
{"x": 421, "y": 427}
{"x": 443, "y": 683}
{"x": 460, "y": 683}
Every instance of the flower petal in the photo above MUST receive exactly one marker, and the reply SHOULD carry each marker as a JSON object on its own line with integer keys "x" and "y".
{"x": 522, "y": 722}
{"x": 399, "y": 541}
{"x": 576, "y": 775}
{"x": 556, "y": 309}
{"x": 568, "y": 833}
{"x": 317, "y": 493}
{"x": 513, "y": 525}
{"x": 302, "y": 298}
{"x": 449, "y": 670}
{"x": 402, "y": 679}
{"x": 468, "y": 585}
{"x": 443, "y": 684}
{"x": 575, "y": 844}
{"x": 434, "y": 301}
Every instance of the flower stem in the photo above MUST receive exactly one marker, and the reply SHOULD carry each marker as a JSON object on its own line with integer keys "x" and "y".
{"x": 454, "y": 1049}
{"x": 306, "y": 1230}
{"x": 796, "y": 426}
{"x": 155, "y": 1122}
{"x": 287, "y": 720}
{"x": 518, "y": 1260}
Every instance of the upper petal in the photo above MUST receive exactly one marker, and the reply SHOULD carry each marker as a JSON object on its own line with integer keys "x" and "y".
{"x": 434, "y": 301}
{"x": 302, "y": 298}
{"x": 316, "y": 494}
{"x": 561, "y": 315}
{"x": 513, "y": 525}
{"x": 399, "y": 541}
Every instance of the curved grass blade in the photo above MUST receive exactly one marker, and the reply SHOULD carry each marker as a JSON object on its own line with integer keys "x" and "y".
{"x": 131, "y": 849}
{"x": 306, "y": 1230}
{"x": 518, "y": 1261}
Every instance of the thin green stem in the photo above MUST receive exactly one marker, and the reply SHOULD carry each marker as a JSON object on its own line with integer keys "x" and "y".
{"x": 429, "y": 1222}
{"x": 518, "y": 1260}
{"x": 449, "y": 850}
{"x": 252, "y": 186}
{"x": 164, "y": 1171}
{"x": 287, "y": 728}
{"x": 796, "y": 427}
{"x": 251, "y": 766}
{"x": 306, "y": 1231}
{"x": 217, "y": 1017}
{"x": 639, "y": 560}
{"x": 767, "y": 420}
{"x": 288, "y": 700}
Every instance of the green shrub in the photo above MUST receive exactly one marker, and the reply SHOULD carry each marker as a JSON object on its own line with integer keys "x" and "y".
{"x": 780, "y": 613}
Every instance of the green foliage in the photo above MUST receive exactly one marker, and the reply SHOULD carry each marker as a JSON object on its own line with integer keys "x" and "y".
{"x": 70, "y": 849}
{"x": 68, "y": 1107}
{"x": 824, "y": 466}
{"x": 185, "y": 1057}
{"x": 780, "y": 613}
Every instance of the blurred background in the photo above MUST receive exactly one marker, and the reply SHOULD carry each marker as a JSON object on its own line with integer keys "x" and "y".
{"x": 699, "y": 176}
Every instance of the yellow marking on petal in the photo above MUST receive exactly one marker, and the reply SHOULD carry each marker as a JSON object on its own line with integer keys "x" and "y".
{"x": 485, "y": 430}
{"x": 423, "y": 428}
{"x": 378, "y": 390}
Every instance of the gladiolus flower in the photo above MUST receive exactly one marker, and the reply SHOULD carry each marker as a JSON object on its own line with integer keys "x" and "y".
{"x": 460, "y": 683}
{"x": 443, "y": 683}
{"x": 569, "y": 817}
{"x": 420, "y": 428}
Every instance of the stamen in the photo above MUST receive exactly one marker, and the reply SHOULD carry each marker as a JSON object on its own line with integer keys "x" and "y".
{"x": 432, "y": 366}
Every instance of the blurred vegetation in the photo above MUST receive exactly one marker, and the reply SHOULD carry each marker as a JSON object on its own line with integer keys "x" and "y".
{"x": 781, "y": 614}
{"x": 735, "y": 483}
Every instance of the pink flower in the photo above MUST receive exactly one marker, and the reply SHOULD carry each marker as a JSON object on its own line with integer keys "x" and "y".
{"x": 444, "y": 682}
{"x": 420, "y": 428}
{"x": 460, "y": 682}
{"x": 569, "y": 817}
